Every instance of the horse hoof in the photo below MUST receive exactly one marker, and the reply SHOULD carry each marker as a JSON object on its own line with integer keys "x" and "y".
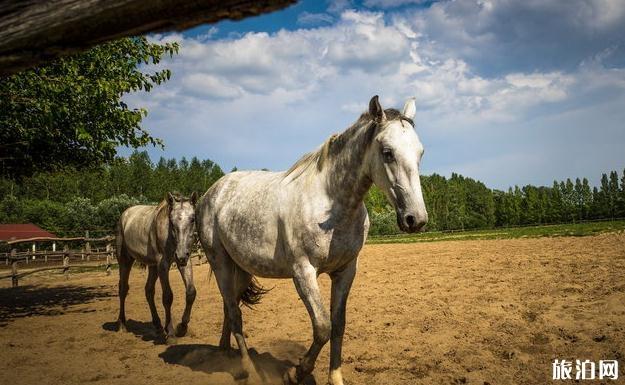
{"x": 170, "y": 340}
{"x": 181, "y": 330}
{"x": 290, "y": 376}
{"x": 254, "y": 379}
{"x": 121, "y": 327}
{"x": 228, "y": 351}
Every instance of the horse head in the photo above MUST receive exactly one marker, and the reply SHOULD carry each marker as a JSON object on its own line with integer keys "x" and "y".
{"x": 181, "y": 214}
{"x": 394, "y": 158}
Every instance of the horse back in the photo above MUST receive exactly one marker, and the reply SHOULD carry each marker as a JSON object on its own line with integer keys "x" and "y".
{"x": 137, "y": 233}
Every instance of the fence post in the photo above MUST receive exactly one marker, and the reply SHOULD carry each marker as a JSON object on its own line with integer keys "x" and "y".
{"x": 108, "y": 258}
{"x": 14, "y": 268}
{"x": 66, "y": 261}
{"x": 87, "y": 246}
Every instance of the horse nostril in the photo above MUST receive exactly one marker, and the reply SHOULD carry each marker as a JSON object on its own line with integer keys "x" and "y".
{"x": 410, "y": 220}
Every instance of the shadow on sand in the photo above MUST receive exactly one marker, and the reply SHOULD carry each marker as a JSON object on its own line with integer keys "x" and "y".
{"x": 211, "y": 359}
{"x": 29, "y": 300}
{"x": 143, "y": 330}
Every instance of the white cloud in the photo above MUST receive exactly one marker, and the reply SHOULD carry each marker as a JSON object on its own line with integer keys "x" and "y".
{"x": 308, "y": 18}
{"x": 262, "y": 100}
{"x": 533, "y": 35}
{"x": 201, "y": 84}
{"x": 391, "y": 3}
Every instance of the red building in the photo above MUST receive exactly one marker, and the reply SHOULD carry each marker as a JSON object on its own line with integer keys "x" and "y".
{"x": 22, "y": 231}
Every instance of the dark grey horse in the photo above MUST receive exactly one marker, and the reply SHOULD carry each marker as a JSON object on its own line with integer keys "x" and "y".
{"x": 157, "y": 236}
{"x": 310, "y": 220}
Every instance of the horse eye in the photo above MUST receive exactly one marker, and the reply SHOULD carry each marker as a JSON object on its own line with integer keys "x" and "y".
{"x": 388, "y": 156}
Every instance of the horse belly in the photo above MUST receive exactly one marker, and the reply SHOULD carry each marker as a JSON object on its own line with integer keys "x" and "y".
{"x": 138, "y": 250}
{"x": 253, "y": 244}
{"x": 261, "y": 264}
{"x": 136, "y": 236}
{"x": 257, "y": 254}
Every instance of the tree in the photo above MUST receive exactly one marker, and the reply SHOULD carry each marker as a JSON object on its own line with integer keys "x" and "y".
{"x": 586, "y": 196}
{"x": 605, "y": 206}
{"x": 568, "y": 200}
{"x": 70, "y": 112}
{"x": 622, "y": 197}
{"x": 613, "y": 193}
{"x": 554, "y": 213}
{"x": 457, "y": 217}
{"x": 140, "y": 173}
{"x": 579, "y": 199}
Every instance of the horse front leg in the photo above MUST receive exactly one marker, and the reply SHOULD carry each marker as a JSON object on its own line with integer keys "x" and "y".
{"x": 149, "y": 295}
{"x": 341, "y": 284}
{"x": 187, "y": 277}
{"x": 305, "y": 279}
{"x": 168, "y": 299}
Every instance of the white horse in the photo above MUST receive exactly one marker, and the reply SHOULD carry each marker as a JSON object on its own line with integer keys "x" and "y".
{"x": 310, "y": 220}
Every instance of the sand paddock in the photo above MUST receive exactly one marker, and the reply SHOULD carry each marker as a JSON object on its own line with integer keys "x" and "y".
{"x": 454, "y": 312}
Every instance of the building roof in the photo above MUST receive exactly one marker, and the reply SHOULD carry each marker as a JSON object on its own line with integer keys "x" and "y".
{"x": 10, "y": 231}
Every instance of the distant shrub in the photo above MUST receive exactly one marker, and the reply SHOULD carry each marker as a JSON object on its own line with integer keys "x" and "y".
{"x": 383, "y": 222}
{"x": 109, "y": 210}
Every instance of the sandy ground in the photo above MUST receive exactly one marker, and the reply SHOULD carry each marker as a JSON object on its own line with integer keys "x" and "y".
{"x": 474, "y": 312}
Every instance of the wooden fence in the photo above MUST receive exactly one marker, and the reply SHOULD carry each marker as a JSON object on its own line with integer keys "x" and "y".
{"x": 68, "y": 258}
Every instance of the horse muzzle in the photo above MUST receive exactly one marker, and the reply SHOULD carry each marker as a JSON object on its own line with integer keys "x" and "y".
{"x": 182, "y": 262}
{"x": 411, "y": 222}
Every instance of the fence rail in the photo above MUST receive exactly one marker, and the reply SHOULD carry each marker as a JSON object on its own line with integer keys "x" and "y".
{"x": 14, "y": 257}
{"x": 104, "y": 256}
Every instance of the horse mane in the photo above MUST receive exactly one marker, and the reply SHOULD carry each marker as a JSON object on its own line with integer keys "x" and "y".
{"x": 178, "y": 197}
{"x": 336, "y": 142}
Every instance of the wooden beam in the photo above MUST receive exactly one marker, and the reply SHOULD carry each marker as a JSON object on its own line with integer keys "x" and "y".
{"x": 32, "y": 31}
{"x": 51, "y": 239}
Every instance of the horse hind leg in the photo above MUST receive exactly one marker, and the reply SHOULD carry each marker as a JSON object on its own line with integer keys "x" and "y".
{"x": 248, "y": 292}
{"x": 125, "y": 265}
{"x": 229, "y": 278}
{"x": 149, "y": 295}
{"x": 224, "y": 341}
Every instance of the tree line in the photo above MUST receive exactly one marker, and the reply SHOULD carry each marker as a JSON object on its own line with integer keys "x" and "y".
{"x": 72, "y": 200}
{"x": 462, "y": 203}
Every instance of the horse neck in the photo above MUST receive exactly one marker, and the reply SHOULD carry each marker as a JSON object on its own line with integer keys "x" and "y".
{"x": 346, "y": 175}
{"x": 161, "y": 223}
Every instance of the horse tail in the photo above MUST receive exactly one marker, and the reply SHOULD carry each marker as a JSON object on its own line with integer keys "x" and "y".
{"x": 253, "y": 293}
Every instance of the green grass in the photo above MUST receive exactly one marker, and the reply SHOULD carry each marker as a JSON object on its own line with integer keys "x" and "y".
{"x": 562, "y": 230}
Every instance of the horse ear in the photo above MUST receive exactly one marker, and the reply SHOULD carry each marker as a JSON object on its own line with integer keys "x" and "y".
{"x": 375, "y": 110}
{"x": 410, "y": 108}
{"x": 194, "y": 198}
{"x": 170, "y": 199}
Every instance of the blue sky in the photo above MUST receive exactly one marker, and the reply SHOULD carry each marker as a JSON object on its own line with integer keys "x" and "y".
{"x": 508, "y": 92}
